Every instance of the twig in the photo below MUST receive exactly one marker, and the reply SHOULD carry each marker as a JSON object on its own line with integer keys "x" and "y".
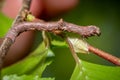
{"x": 86, "y": 31}
{"x": 7, "y": 41}
{"x": 23, "y": 11}
{"x": 104, "y": 55}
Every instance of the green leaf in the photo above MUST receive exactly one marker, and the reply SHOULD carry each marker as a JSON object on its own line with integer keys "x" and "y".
{"x": 24, "y": 77}
{"x": 28, "y": 65}
{"x": 90, "y": 71}
{"x": 42, "y": 66}
{"x": 84, "y": 70}
{"x": 5, "y": 24}
{"x": 63, "y": 64}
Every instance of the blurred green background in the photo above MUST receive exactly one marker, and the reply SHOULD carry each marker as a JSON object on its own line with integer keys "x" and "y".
{"x": 103, "y": 13}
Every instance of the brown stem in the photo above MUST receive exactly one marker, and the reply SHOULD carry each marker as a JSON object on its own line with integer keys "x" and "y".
{"x": 7, "y": 41}
{"x": 23, "y": 11}
{"x": 86, "y": 31}
{"x": 104, "y": 55}
{"x": 4, "y": 47}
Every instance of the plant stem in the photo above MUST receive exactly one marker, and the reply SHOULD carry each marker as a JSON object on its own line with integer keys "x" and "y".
{"x": 85, "y": 31}
{"x": 104, "y": 55}
{"x": 7, "y": 42}
{"x": 23, "y": 11}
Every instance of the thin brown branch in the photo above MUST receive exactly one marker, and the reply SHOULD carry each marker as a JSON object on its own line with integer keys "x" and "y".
{"x": 104, "y": 55}
{"x": 4, "y": 47}
{"x": 85, "y": 31}
{"x": 7, "y": 42}
{"x": 23, "y": 11}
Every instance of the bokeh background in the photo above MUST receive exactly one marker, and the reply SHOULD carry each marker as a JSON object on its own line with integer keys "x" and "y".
{"x": 103, "y": 13}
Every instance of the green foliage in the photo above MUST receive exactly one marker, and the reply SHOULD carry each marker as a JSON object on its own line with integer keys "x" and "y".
{"x": 33, "y": 65}
{"x": 84, "y": 70}
{"x": 90, "y": 71}
{"x": 40, "y": 65}
{"x": 25, "y": 77}
{"x": 5, "y": 24}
